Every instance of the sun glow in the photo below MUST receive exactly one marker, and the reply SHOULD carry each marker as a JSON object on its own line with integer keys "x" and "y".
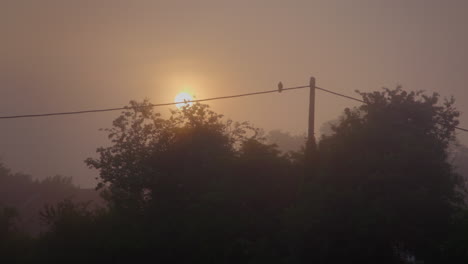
{"x": 183, "y": 99}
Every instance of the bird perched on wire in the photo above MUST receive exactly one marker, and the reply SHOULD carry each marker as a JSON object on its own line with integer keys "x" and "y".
{"x": 280, "y": 87}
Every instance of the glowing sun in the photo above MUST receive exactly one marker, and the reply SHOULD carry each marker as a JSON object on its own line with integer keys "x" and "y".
{"x": 183, "y": 99}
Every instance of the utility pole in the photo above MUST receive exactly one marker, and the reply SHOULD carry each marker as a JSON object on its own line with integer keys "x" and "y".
{"x": 311, "y": 132}
{"x": 311, "y": 147}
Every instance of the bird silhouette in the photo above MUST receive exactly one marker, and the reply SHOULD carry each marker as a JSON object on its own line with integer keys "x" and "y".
{"x": 280, "y": 87}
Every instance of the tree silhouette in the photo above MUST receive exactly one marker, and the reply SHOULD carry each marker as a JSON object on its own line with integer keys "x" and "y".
{"x": 194, "y": 187}
{"x": 194, "y": 182}
{"x": 148, "y": 151}
{"x": 384, "y": 188}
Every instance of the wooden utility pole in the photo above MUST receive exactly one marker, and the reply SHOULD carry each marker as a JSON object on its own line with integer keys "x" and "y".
{"x": 311, "y": 147}
{"x": 311, "y": 133}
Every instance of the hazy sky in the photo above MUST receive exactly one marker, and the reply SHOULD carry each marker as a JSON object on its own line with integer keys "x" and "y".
{"x": 69, "y": 55}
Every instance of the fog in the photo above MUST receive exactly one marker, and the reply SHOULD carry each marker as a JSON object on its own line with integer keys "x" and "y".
{"x": 65, "y": 56}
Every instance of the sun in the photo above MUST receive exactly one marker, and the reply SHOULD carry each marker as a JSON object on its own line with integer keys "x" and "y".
{"x": 183, "y": 99}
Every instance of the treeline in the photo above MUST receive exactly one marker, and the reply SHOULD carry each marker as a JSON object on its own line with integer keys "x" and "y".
{"x": 27, "y": 197}
{"x": 194, "y": 188}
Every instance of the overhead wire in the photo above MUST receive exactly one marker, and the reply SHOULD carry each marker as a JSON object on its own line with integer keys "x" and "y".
{"x": 338, "y": 94}
{"x": 362, "y": 101}
{"x": 151, "y": 105}
{"x": 192, "y": 101}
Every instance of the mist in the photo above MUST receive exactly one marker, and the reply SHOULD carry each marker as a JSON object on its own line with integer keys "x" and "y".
{"x": 59, "y": 56}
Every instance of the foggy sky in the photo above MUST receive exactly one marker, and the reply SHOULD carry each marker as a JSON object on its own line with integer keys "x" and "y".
{"x": 72, "y": 55}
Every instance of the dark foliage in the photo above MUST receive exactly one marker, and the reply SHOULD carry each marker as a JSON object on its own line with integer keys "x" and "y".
{"x": 29, "y": 196}
{"x": 193, "y": 188}
{"x": 384, "y": 187}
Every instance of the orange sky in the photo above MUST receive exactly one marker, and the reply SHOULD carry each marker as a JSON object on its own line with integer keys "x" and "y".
{"x": 70, "y": 55}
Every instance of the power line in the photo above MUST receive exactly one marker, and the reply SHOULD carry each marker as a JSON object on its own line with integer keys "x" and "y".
{"x": 193, "y": 101}
{"x": 151, "y": 105}
{"x": 361, "y": 101}
{"x": 338, "y": 94}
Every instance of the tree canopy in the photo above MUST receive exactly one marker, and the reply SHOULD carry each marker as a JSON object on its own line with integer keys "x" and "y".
{"x": 381, "y": 187}
{"x": 384, "y": 185}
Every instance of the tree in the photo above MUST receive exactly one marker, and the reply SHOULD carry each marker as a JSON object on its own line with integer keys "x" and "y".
{"x": 190, "y": 186}
{"x": 75, "y": 227}
{"x": 15, "y": 245}
{"x": 148, "y": 151}
{"x": 7, "y": 224}
{"x": 384, "y": 187}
